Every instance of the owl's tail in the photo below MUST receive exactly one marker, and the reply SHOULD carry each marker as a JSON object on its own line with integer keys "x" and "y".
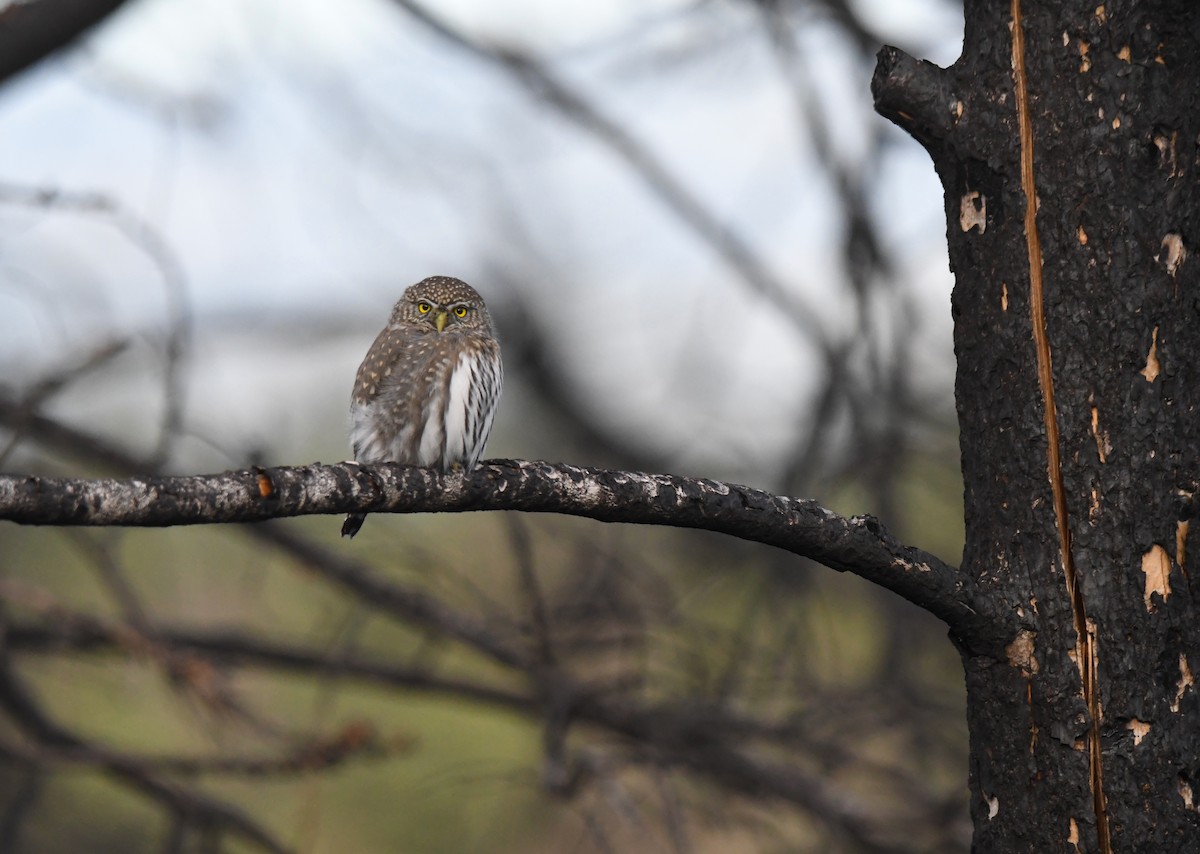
{"x": 353, "y": 522}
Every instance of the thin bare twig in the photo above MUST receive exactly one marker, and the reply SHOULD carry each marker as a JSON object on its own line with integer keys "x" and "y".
{"x": 522, "y": 551}
{"x": 25, "y": 712}
{"x": 142, "y": 234}
{"x": 355, "y": 741}
{"x": 53, "y": 383}
{"x": 536, "y": 77}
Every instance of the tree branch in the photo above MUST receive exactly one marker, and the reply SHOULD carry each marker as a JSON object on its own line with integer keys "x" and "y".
{"x": 540, "y": 81}
{"x": 859, "y": 545}
{"x": 917, "y": 96}
{"x": 710, "y": 738}
{"x": 21, "y": 708}
{"x": 29, "y": 32}
{"x": 356, "y": 740}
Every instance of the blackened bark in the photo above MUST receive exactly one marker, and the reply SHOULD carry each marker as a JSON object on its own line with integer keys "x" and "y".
{"x": 860, "y": 545}
{"x": 1066, "y": 139}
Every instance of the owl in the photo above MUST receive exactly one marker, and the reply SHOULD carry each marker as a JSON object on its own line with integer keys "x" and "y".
{"x": 427, "y": 390}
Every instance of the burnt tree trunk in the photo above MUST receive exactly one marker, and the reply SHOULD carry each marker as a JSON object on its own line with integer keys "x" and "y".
{"x": 1066, "y": 139}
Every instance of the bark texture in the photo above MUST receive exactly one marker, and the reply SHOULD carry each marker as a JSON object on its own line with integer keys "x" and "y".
{"x": 1066, "y": 139}
{"x": 860, "y": 545}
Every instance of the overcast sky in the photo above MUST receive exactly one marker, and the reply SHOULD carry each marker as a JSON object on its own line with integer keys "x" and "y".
{"x": 309, "y": 156}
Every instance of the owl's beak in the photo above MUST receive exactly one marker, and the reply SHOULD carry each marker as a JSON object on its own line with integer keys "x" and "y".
{"x": 440, "y": 320}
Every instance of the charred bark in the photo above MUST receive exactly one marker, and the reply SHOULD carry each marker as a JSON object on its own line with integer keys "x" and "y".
{"x": 1066, "y": 139}
{"x": 860, "y": 545}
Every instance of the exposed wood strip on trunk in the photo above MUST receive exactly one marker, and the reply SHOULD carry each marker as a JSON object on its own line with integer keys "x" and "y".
{"x": 1084, "y": 643}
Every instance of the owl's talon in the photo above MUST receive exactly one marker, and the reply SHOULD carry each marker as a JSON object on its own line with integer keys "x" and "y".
{"x": 369, "y": 475}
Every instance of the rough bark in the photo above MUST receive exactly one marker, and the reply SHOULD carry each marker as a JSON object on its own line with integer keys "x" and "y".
{"x": 860, "y": 545}
{"x": 1066, "y": 139}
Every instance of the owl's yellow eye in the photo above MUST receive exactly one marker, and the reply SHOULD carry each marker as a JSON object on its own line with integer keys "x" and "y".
{"x": 424, "y": 307}
{"x": 460, "y": 311}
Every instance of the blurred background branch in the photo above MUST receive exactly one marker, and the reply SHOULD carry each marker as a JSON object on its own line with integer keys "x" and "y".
{"x": 30, "y": 31}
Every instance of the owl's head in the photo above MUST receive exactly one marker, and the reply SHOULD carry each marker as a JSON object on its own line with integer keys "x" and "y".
{"x": 444, "y": 304}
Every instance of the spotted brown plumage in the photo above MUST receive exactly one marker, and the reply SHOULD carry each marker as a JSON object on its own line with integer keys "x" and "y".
{"x": 426, "y": 392}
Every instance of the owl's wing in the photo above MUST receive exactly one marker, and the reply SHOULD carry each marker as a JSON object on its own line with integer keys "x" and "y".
{"x": 389, "y": 390}
{"x": 380, "y": 363}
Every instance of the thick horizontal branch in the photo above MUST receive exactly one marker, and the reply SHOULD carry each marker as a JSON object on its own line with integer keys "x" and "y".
{"x": 859, "y": 545}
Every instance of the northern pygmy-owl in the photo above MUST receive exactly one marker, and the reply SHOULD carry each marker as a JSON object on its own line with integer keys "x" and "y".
{"x": 426, "y": 392}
